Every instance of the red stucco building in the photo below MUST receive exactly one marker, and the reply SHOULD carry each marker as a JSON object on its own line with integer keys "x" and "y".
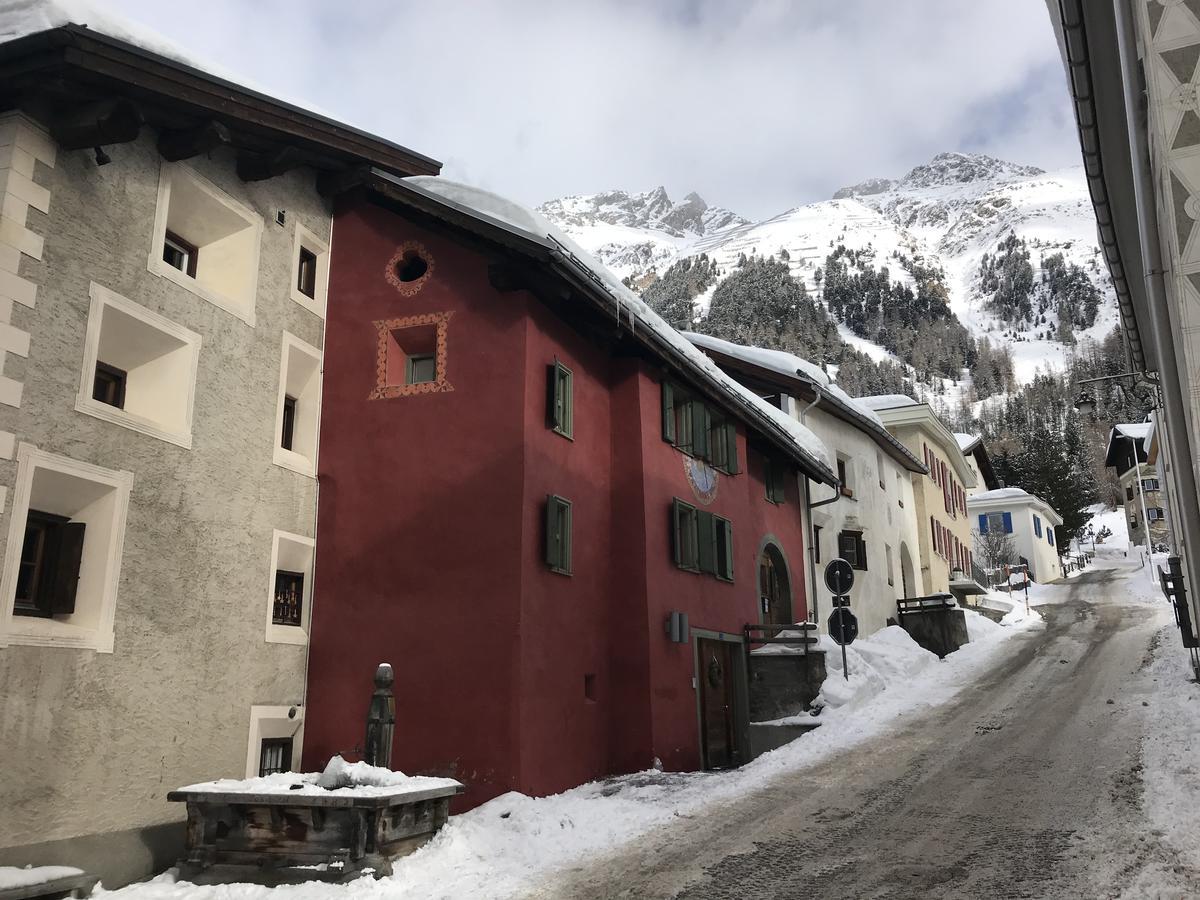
{"x": 515, "y": 495}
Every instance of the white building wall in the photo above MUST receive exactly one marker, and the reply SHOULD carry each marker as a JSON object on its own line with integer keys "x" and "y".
{"x": 882, "y": 508}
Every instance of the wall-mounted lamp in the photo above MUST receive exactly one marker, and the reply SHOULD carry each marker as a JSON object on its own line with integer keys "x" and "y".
{"x": 677, "y": 628}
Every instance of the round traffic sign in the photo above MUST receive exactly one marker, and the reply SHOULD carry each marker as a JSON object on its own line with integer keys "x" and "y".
{"x": 839, "y": 577}
{"x": 843, "y": 626}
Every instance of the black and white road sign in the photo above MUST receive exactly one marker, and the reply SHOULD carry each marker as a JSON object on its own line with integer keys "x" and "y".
{"x": 839, "y": 577}
{"x": 843, "y": 626}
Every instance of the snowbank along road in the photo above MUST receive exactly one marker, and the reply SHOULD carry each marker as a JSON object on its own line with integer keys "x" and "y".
{"x": 1028, "y": 784}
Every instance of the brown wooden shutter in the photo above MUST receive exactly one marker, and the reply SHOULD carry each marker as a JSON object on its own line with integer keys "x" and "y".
{"x": 66, "y": 568}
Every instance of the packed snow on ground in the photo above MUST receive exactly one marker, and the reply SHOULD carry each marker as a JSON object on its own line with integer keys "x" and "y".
{"x": 14, "y": 877}
{"x": 515, "y": 842}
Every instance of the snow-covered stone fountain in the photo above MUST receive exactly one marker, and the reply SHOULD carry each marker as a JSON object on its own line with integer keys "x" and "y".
{"x": 350, "y": 820}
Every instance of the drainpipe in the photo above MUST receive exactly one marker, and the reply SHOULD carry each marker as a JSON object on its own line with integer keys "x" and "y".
{"x": 1175, "y": 422}
{"x": 810, "y": 506}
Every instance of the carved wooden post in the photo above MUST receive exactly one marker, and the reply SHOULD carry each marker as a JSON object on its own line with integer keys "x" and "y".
{"x": 381, "y": 719}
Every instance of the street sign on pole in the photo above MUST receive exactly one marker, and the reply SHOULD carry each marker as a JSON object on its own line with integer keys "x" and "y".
{"x": 843, "y": 628}
{"x": 839, "y": 577}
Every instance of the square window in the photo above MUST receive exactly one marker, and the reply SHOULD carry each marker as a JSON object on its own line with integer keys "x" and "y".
{"x": 560, "y": 400}
{"x": 289, "y": 589}
{"x": 180, "y": 254}
{"x": 843, "y": 473}
{"x": 109, "y": 385}
{"x": 853, "y": 549}
{"x": 299, "y": 406}
{"x": 558, "y": 534}
{"x": 139, "y": 369}
{"x": 63, "y": 559}
{"x": 816, "y": 542}
{"x": 774, "y": 474}
{"x": 420, "y": 369}
{"x": 275, "y": 740}
{"x": 310, "y": 281}
{"x": 411, "y": 356}
{"x": 205, "y": 241}
{"x": 275, "y": 756}
{"x": 995, "y": 523}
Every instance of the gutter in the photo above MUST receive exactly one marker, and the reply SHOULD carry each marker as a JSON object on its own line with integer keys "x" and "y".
{"x": 1079, "y": 78}
{"x": 1170, "y": 357}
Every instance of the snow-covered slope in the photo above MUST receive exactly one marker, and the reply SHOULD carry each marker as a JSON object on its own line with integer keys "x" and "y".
{"x": 945, "y": 214}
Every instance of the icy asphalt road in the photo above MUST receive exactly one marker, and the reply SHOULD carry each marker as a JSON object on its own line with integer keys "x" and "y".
{"x": 1027, "y": 785}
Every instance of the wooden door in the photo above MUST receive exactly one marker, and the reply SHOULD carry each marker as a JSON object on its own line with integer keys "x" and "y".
{"x": 775, "y": 593}
{"x": 716, "y": 703}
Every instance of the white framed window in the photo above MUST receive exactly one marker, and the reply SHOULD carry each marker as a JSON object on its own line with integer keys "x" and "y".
{"x": 310, "y": 270}
{"x": 205, "y": 241}
{"x": 276, "y": 739}
{"x": 298, "y": 412}
{"x": 139, "y": 369}
{"x": 93, "y": 504}
{"x": 289, "y": 588}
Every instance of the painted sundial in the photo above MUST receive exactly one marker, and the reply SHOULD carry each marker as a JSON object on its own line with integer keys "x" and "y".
{"x": 703, "y": 478}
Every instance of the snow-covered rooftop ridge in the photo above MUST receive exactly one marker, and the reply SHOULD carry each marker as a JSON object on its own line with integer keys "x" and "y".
{"x": 1136, "y": 430}
{"x": 966, "y": 442}
{"x": 776, "y": 360}
{"x": 887, "y": 401}
{"x": 1004, "y": 493}
{"x": 529, "y": 223}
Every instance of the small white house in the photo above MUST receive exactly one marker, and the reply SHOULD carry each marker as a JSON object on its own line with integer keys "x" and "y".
{"x": 1028, "y": 520}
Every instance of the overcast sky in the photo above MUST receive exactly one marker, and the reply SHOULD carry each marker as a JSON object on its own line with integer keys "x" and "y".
{"x": 758, "y": 105}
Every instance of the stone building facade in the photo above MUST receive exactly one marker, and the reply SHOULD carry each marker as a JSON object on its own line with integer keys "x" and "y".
{"x": 161, "y": 315}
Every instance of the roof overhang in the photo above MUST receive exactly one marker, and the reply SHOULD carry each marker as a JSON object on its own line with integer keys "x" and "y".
{"x": 975, "y": 505}
{"x": 570, "y": 281}
{"x": 90, "y": 89}
{"x": 801, "y": 387}
{"x": 1087, "y": 37}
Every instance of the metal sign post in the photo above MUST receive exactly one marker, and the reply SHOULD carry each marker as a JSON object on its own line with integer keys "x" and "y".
{"x": 843, "y": 624}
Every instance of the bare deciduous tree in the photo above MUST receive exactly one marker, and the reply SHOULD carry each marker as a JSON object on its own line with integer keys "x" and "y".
{"x": 995, "y": 548}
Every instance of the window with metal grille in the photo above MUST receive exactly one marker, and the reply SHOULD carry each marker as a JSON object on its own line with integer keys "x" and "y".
{"x": 48, "y": 571}
{"x": 275, "y": 756}
{"x": 558, "y": 534}
{"x": 560, "y": 401}
{"x": 289, "y": 598}
{"x": 853, "y": 549}
{"x": 108, "y": 385}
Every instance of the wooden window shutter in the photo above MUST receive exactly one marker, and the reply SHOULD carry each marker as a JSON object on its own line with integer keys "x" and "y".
{"x": 983, "y": 523}
{"x": 668, "y": 412}
{"x": 699, "y": 417}
{"x": 1008, "y": 528}
{"x": 66, "y": 568}
{"x": 707, "y": 542}
{"x": 552, "y": 537}
{"x": 731, "y": 456}
{"x": 861, "y": 550}
{"x": 558, "y": 534}
{"x": 724, "y": 548}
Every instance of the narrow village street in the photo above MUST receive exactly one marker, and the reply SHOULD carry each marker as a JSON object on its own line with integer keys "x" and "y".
{"x": 1027, "y": 784}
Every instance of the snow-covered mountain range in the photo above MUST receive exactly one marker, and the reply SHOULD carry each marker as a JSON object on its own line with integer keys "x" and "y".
{"x": 946, "y": 214}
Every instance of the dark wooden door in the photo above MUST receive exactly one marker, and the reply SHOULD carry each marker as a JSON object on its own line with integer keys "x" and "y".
{"x": 774, "y": 591}
{"x": 716, "y": 703}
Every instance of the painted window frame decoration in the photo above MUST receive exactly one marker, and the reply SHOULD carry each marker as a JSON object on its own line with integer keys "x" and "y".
{"x": 409, "y": 288}
{"x": 383, "y": 331}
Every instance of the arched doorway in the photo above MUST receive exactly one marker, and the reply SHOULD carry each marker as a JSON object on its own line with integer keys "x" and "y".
{"x": 908, "y": 576}
{"x": 774, "y": 587}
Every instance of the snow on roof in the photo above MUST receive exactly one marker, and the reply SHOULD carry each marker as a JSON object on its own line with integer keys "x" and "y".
{"x": 1138, "y": 431}
{"x": 887, "y": 401}
{"x": 966, "y": 442}
{"x": 21, "y": 18}
{"x": 536, "y": 228}
{"x": 1011, "y": 495}
{"x": 776, "y": 360}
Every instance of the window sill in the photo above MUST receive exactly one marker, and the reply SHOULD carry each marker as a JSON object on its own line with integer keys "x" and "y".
{"x": 555, "y": 571}
{"x": 286, "y": 634}
{"x": 563, "y": 434}
{"x": 117, "y": 416}
{"x": 189, "y": 284}
{"x": 34, "y": 631}
{"x": 312, "y": 304}
{"x": 289, "y": 459}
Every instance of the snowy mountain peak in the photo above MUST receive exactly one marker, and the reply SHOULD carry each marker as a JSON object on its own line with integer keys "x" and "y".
{"x": 653, "y": 210}
{"x": 865, "y": 188}
{"x": 962, "y": 168}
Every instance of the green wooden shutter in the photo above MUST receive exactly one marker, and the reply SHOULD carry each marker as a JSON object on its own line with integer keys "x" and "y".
{"x": 700, "y": 423}
{"x": 551, "y": 533}
{"x": 724, "y": 538}
{"x": 565, "y": 536}
{"x": 677, "y": 532}
{"x": 706, "y": 542}
{"x": 729, "y": 437}
{"x": 668, "y": 412}
{"x": 67, "y": 559}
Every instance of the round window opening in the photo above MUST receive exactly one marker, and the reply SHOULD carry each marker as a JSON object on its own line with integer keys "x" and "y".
{"x": 411, "y": 266}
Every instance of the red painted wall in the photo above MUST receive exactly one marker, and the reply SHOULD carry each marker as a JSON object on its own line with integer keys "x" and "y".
{"x": 430, "y": 545}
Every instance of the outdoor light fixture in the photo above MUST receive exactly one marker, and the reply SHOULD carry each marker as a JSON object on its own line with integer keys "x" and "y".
{"x": 1085, "y": 403}
{"x": 677, "y": 628}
